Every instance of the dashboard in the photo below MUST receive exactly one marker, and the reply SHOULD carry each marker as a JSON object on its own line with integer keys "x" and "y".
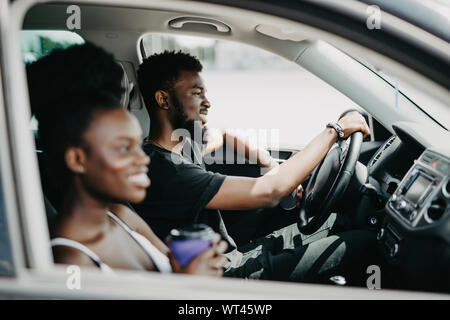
{"x": 414, "y": 236}
{"x": 423, "y": 196}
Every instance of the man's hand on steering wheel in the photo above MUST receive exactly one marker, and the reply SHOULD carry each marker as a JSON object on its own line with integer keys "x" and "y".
{"x": 330, "y": 178}
{"x": 353, "y": 122}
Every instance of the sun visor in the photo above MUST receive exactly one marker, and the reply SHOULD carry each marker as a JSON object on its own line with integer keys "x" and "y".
{"x": 280, "y": 32}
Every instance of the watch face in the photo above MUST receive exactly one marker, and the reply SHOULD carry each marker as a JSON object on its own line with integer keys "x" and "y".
{"x": 341, "y": 134}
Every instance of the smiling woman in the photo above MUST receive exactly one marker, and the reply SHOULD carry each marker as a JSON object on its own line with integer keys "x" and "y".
{"x": 246, "y": 90}
{"x": 92, "y": 146}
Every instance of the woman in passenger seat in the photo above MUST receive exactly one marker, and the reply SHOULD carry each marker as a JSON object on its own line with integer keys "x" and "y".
{"x": 93, "y": 147}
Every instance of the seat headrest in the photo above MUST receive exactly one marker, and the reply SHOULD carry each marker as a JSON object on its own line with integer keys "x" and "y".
{"x": 127, "y": 85}
{"x": 133, "y": 99}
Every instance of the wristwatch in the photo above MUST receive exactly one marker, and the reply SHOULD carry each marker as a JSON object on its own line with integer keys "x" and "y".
{"x": 337, "y": 128}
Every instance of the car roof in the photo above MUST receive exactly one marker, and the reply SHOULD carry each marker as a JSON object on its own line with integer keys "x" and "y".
{"x": 423, "y": 14}
{"x": 347, "y": 19}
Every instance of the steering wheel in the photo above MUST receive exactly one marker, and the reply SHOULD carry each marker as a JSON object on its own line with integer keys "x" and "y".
{"x": 328, "y": 182}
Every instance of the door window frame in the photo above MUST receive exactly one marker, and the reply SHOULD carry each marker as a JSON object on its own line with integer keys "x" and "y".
{"x": 7, "y": 183}
{"x": 28, "y": 219}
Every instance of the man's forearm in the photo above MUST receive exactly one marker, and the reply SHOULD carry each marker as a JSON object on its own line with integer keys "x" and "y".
{"x": 268, "y": 190}
{"x": 284, "y": 178}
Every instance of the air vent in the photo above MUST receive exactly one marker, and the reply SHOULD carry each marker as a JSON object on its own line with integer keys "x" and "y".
{"x": 436, "y": 210}
{"x": 446, "y": 189}
{"x": 389, "y": 142}
{"x": 377, "y": 156}
{"x": 428, "y": 158}
{"x": 375, "y": 159}
{"x": 392, "y": 186}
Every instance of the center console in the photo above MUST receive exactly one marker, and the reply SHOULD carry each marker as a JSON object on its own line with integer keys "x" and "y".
{"x": 423, "y": 191}
{"x": 419, "y": 203}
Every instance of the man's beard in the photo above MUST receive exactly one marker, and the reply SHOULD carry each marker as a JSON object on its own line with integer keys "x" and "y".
{"x": 180, "y": 121}
{"x": 197, "y": 137}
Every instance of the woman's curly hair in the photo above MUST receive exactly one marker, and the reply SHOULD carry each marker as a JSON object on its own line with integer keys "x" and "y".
{"x": 66, "y": 88}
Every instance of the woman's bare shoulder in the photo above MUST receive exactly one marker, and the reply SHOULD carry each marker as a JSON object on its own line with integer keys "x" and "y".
{"x": 71, "y": 256}
{"x": 127, "y": 215}
{"x": 136, "y": 223}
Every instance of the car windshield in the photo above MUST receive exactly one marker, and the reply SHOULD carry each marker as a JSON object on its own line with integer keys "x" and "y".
{"x": 435, "y": 109}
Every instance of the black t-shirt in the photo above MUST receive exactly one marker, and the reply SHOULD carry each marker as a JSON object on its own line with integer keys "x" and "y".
{"x": 178, "y": 194}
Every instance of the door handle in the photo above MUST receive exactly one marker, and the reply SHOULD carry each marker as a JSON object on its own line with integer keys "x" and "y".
{"x": 178, "y": 23}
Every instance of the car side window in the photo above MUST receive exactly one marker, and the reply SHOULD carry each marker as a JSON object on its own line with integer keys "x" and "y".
{"x": 258, "y": 91}
{"x": 6, "y": 255}
{"x": 38, "y": 43}
{"x": 6, "y": 260}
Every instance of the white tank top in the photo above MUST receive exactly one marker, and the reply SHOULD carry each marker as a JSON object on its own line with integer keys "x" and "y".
{"x": 160, "y": 260}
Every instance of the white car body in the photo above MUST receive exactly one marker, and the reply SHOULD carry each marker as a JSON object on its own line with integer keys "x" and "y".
{"x": 118, "y": 26}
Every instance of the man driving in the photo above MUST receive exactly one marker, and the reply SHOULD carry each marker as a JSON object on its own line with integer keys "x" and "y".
{"x": 184, "y": 192}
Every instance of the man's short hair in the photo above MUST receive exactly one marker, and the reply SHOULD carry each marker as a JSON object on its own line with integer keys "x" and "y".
{"x": 160, "y": 71}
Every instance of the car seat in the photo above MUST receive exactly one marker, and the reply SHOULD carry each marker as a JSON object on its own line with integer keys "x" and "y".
{"x": 135, "y": 103}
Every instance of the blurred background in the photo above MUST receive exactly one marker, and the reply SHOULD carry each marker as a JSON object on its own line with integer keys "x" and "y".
{"x": 252, "y": 89}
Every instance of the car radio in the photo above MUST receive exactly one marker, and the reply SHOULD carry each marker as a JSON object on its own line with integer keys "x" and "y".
{"x": 422, "y": 196}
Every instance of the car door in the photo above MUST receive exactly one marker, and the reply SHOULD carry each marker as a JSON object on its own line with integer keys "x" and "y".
{"x": 28, "y": 236}
{"x": 6, "y": 257}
